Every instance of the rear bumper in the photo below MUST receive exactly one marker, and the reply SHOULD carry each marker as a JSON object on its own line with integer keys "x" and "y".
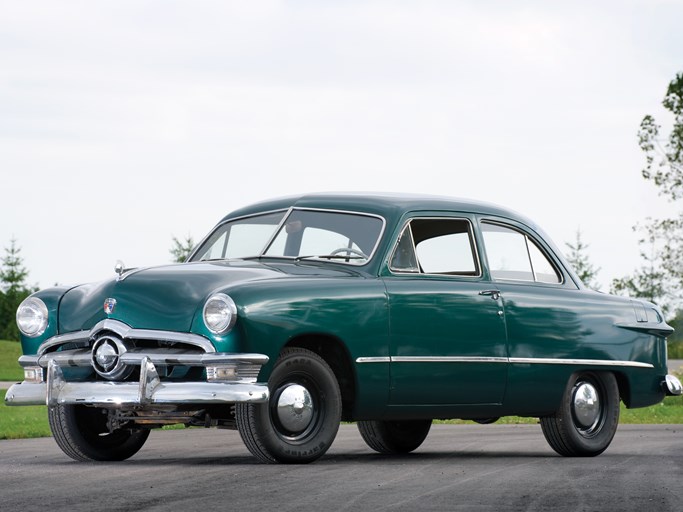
{"x": 148, "y": 391}
{"x": 672, "y": 386}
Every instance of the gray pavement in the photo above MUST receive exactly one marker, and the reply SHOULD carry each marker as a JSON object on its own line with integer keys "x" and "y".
{"x": 459, "y": 467}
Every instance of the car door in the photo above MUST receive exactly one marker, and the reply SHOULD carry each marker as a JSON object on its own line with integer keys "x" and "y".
{"x": 549, "y": 323}
{"x": 447, "y": 331}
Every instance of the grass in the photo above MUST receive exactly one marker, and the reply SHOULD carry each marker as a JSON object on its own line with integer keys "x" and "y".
{"x": 9, "y": 367}
{"x": 23, "y": 422}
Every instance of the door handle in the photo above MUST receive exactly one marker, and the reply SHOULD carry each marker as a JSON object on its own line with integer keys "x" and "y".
{"x": 494, "y": 294}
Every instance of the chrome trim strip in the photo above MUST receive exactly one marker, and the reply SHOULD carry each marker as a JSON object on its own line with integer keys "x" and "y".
{"x": 373, "y": 360}
{"x": 82, "y": 357}
{"x": 136, "y": 358}
{"x": 447, "y": 359}
{"x": 511, "y": 360}
{"x": 125, "y": 331}
{"x": 79, "y": 337}
{"x": 589, "y": 362}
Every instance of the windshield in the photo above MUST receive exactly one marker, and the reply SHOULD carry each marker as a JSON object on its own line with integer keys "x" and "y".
{"x": 305, "y": 234}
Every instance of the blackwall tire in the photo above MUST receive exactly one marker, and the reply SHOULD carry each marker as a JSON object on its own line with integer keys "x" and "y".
{"x": 81, "y": 432}
{"x": 587, "y": 419}
{"x": 394, "y": 436}
{"x": 301, "y": 419}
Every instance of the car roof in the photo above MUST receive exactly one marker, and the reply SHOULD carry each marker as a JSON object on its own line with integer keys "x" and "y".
{"x": 387, "y": 205}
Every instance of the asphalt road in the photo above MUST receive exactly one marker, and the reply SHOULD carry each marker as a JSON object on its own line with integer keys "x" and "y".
{"x": 463, "y": 467}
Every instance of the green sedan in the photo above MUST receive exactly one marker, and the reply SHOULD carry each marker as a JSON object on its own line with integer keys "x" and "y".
{"x": 297, "y": 313}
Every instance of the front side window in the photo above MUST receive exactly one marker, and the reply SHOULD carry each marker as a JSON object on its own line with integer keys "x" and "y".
{"x": 436, "y": 246}
{"x": 515, "y": 256}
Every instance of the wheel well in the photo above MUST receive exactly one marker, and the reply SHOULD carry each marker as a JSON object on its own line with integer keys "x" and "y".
{"x": 335, "y": 354}
{"x": 622, "y": 383}
{"x": 624, "y": 388}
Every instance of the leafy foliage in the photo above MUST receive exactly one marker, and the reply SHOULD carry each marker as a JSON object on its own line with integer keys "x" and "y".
{"x": 664, "y": 159}
{"x": 181, "y": 250}
{"x": 582, "y": 265}
{"x": 652, "y": 281}
{"x": 660, "y": 279}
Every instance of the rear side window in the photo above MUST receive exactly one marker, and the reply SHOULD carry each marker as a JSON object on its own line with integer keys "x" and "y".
{"x": 514, "y": 255}
{"x": 436, "y": 246}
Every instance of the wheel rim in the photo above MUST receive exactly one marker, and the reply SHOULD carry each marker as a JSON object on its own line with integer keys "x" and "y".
{"x": 587, "y": 408}
{"x": 295, "y": 411}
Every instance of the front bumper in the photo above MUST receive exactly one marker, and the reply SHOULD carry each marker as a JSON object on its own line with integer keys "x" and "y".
{"x": 149, "y": 390}
{"x": 231, "y": 377}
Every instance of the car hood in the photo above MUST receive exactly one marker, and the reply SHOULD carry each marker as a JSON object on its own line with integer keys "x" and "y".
{"x": 168, "y": 297}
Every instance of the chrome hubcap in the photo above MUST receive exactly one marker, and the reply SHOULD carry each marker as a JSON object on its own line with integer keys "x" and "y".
{"x": 295, "y": 408}
{"x": 586, "y": 405}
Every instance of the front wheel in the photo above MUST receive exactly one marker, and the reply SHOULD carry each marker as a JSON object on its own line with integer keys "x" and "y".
{"x": 588, "y": 416}
{"x": 81, "y": 432}
{"x": 394, "y": 436}
{"x": 302, "y": 417}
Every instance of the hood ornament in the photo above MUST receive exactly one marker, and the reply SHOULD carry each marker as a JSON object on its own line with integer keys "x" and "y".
{"x": 119, "y": 268}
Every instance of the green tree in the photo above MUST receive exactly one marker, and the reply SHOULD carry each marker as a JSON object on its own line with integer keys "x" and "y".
{"x": 660, "y": 279}
{"x": 578, "y": 259}
{"x": 181, "y": 250}
{"x": 13, "y": 289}
{"x": 650, "y": 281}
{"x": 664, "y": 157}
{"x": 675, "y": 347}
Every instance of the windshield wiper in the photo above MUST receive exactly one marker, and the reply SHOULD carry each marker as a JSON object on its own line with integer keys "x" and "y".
{"x": 330, "y": 257}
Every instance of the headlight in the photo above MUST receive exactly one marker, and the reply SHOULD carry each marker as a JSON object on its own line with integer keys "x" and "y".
{"x": 32, "y": 317}
{"x": 220, "y": 313}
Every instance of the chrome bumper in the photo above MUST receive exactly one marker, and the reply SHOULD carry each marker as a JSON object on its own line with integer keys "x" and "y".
{"x": 148, "y": 391}
{"x": 672, "y": 386}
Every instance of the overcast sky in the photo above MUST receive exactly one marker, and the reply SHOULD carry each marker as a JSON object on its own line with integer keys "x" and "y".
{"x": 125, "y": 123}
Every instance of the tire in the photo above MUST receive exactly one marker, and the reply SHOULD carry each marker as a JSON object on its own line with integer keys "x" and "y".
{"x": 390, "y": 437}
{"x": 81, "y": 432}
{"x": 301, "y": 419}
{"x": 587, "y": 419}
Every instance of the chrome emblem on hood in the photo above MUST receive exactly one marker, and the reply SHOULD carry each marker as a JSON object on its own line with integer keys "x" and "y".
{"x": 109, "y": 305}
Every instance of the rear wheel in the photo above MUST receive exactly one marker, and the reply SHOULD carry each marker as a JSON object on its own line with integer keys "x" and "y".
{"x": 81, "y": 432}
{"x": 301, "y": 419}
{"x": 587, "y": 419}
{"x": 394, "y": 436}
